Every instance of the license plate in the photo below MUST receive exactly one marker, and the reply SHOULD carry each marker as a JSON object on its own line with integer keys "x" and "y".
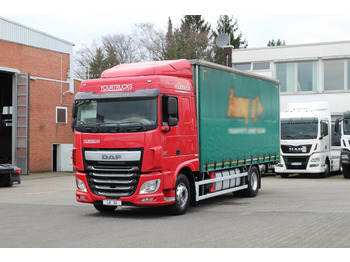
{"x": 296, "y": 164}
{"x": 112, "y": 202}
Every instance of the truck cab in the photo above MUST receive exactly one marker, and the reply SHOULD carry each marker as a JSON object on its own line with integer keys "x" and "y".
{"x": 306, "y": 140}
{"x": 128, "y": 137}
{"x": 342, "y": 126}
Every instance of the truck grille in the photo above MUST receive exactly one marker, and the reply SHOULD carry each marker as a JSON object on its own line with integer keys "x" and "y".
{"x": 296, "y": 162}
{"x": 113, "y": 179}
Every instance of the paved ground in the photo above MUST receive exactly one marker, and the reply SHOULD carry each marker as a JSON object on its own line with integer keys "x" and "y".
{"x": 293, "y": 212}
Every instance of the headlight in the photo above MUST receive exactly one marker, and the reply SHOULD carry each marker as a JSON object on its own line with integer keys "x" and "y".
{"x": 80, "y": 185}
{"x": 150, "y": 186}
{"x": 316, "y": 159}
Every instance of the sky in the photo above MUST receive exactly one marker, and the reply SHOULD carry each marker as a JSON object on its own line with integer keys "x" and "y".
{"x": 82, "y": 22}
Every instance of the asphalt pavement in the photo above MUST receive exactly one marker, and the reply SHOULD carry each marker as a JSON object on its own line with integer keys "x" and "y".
{"x": 297, "y": 212}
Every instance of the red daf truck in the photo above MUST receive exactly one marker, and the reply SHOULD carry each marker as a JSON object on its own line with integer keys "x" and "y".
{"x": 172, "y": 133}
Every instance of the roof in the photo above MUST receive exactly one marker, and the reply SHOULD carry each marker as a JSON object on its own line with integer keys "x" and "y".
{"x": 180, "y": 68}
{"x": 15, "y": 32}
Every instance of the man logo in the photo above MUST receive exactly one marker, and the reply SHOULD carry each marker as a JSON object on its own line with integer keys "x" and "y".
{"x": 111, "y": 157}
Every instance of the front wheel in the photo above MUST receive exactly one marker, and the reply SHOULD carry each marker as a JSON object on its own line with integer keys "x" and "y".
{"x": 346, "y": 171}
{"x": 182, "y": 195}
{"x": 326, "y": 170}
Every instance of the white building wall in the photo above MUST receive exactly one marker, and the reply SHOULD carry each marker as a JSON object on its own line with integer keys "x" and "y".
{"x": 293, "y": 52}
{"x": 339, "y": 100}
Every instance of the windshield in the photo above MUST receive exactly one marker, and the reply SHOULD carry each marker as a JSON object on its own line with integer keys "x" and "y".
{"x": 117, "y": 115}
{"x": 346, "y": 125}
{"x": 299, "y": 128}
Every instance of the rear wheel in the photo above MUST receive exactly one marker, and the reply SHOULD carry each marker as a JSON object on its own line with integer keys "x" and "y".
{"x": 104, "y": 209}
{"x": 253, "y": 182}
{"x": 182, "y": 195}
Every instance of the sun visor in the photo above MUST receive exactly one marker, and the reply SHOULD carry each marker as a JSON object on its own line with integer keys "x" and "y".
{"x": 179, "y": 68}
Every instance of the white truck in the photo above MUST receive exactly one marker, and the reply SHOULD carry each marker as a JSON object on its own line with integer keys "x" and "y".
{"x": 343, "y": 125}
{"x": 306, "y": 141}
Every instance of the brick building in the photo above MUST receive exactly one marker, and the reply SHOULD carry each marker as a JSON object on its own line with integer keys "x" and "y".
{"x": 36, "y": 93}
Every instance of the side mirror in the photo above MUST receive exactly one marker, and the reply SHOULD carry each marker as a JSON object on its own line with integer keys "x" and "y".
{"x": 74, "y": 110}
{"x": 73, "y": 124}
{"x": 324, "y": 129}
{"x": 173, "y": 121}
{"x": 172, "y": 106}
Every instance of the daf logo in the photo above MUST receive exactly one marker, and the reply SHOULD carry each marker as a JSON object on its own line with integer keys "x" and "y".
{"x": 111, "y": 157}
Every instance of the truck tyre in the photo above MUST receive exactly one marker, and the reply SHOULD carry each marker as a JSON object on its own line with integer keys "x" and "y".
{"x": 102, "y": 208}
{"x": 346, "y": 171}
{"x": 326, "y": 171}
{"x": 253, "y": 182}
{"x": 182, "y": 195}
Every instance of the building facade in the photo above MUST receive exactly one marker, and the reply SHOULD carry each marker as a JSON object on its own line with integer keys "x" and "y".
{"x": 36, "y": 93}
{"x": 307, "y": 73}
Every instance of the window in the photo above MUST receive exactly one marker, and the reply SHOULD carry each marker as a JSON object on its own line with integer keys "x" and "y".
{"x": 335, "y": 137}
{"x": 242, "y": 66}
{"x": 334, "y": 75}
{"x": 307, "y": 76}
{"x": 285, "y": 73}
{"x": 61, "y": 115}
{"x": 261, "y": 65}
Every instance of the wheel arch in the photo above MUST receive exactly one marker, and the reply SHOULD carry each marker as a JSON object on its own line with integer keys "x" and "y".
{"x": 188, "y": 168}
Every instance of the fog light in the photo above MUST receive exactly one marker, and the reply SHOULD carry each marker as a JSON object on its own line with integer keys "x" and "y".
{"x": 150, "y": 186}
{"x": 345, "y": 157}
{"x": 148, "y": 199}
{"x": 314, "y": 165}
{"x": 80, "y": 185}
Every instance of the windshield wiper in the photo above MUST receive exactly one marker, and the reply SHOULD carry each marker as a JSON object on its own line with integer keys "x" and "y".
{"x": 308, "y": 137}
{"x": 93, "y": 129}
{"x": 287, "y": 137}
{"x": 113, "y": 129}
{"x": 130, "y": 128}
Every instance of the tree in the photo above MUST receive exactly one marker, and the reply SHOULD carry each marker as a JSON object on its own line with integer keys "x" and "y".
{"x": 190, "y": 41}
{"x": 278, "y": 43}
{"x": 151, "y": 42}
{"x": 109, "y": 51}
{"x": 227, "y": 25}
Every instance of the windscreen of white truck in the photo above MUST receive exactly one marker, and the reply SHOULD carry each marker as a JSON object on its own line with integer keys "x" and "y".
{"x": 299, "y": 128}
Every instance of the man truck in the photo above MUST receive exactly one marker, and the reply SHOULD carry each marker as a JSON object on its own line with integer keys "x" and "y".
{"x": 306, "y": 141}
{"x": 172, "y": 133}
{"x": 342, "y": 125}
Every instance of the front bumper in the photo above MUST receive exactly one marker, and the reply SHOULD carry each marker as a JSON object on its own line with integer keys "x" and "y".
{"x": 311, "y": 165}
{"x": 159, "y": 198}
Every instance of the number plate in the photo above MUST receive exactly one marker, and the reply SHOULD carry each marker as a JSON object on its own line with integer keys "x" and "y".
{"x": 296, "y": 164}
{"x": 112, "y": 202}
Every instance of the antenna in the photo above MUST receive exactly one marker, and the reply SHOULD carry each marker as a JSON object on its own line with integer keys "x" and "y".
{"x": 222, "y": 40}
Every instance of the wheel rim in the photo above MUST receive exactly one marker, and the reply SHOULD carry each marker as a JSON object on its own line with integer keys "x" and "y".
{"x": 254, "y": 181}
{"x": 181, "y": 195}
